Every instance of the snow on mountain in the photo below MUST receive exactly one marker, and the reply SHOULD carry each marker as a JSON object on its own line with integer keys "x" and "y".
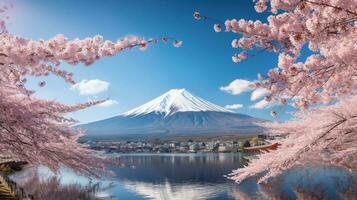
{"x": 173, "y": 101}
{"x": 177, "y": 113}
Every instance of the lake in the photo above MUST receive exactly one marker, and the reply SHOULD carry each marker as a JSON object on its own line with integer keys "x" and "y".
{"x": 201, "y": 176}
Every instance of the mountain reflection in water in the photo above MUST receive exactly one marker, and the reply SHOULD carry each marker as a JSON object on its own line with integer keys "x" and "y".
{"x": 201, "y": 176}
{"x": 179, "y": 168}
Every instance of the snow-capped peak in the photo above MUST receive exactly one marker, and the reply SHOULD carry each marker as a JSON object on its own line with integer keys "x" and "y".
{"x": 173, "y": 101}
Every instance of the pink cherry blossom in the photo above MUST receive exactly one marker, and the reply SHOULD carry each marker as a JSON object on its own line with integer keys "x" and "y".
{"x": 235, "y": 43}
{"x": 261, "y": 6}
{"x": 322, "y": 135}
{"x": 239, "y": 57}
{"x": 217, "y": 28}
{"x": 177, "y": 43}
{"x": 328, "y": 28}
{"x": 37, "y": 130}
{"x": 323, "y": 86}
{"x": 197, "y": 15}
{"x": 143, "y": 45}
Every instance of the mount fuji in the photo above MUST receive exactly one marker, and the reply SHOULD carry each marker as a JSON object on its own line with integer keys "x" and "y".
{"x": 176, "y": 113}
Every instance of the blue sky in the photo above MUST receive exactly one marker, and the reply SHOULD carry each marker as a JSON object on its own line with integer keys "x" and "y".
{"x": 202, "y": 65}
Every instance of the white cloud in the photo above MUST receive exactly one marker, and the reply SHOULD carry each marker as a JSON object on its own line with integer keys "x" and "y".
{"x": 258, "y": 94}
{"x": 234, "y": 106}
{"x": 261, "y": 104}
{"x": 90, "y": 87}
{"x": 237, "y": 86}
{"x": 108, "y": 103}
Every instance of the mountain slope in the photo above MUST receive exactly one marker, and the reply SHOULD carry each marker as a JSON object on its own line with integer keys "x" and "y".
{"x": 173, "y": 114}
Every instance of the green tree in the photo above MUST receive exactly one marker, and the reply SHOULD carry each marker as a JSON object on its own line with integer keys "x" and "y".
{"x": 246, "y": 144}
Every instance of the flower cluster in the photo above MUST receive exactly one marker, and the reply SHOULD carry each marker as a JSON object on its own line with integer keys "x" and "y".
{"x": 328, "y": 76}
{"x": 327, "y": 27}
{"x": 36, "y": 130}
{"x": 322, "y": 135}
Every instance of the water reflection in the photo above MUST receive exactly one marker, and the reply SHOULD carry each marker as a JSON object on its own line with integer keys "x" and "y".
{"x": 167, "y": 190}
{"x": 178, "y": 168}
{"x": 200, "y": 176}
{"x": 312, "y": 182}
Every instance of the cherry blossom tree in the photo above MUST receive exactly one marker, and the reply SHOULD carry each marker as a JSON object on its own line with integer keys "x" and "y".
{"x": 36, "y": 130}
{"x": 327, "y": 134}
{"x": 328, "y": 76}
